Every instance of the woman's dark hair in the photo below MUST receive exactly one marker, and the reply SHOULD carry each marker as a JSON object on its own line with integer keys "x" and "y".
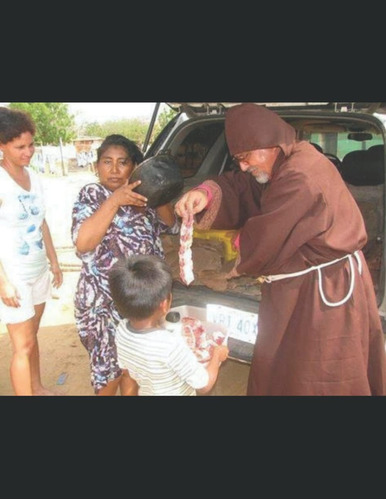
{"x": 135, "y": 154}
{"x": 13, "y": 124}
{"x": 139, "y": 284}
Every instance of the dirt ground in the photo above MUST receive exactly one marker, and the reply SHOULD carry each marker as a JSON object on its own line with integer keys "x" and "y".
{"x": 64, "y": 366}
{"x": 64, "y": 361}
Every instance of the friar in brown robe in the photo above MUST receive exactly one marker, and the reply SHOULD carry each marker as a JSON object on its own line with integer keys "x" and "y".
{"x": 319, "y": 329}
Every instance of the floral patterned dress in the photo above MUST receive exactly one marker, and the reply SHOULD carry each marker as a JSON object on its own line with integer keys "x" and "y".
{"x": 132, "y": 232}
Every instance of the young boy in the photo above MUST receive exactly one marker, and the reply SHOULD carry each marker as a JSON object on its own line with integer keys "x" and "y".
{"x": 159, "y": 361}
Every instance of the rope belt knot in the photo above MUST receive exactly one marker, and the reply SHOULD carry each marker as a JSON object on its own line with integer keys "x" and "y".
{"x": 279, "y": 277}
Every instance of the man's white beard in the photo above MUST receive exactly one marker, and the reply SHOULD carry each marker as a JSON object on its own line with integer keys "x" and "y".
{"x": 262, "y": 178}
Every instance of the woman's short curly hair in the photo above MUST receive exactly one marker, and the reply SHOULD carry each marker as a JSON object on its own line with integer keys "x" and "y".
{"x": 14, "y": 123}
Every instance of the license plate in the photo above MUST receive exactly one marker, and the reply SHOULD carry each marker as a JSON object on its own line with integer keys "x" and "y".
{"x": 241, "y": 325}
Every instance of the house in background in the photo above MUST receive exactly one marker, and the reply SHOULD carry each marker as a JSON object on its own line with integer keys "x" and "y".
{"x": 86, "y": 151}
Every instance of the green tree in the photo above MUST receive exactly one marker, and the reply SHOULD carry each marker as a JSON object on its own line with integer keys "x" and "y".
{"x": 134, "y": 129}
{"x": 92, "y": 129}
{"x": 52, "y": 119}
{"x": 164, "y": 118}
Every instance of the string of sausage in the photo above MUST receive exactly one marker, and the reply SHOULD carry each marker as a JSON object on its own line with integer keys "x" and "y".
{"x": 185, "y": 253}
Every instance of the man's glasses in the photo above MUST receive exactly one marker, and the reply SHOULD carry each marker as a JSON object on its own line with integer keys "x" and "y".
{"x": 242, "y": 158}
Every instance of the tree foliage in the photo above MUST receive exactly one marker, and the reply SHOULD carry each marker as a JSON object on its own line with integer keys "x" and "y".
{"x": 52, "y": 119}
{"x": 164, "y": 118}
{"x": 134, "y": 129}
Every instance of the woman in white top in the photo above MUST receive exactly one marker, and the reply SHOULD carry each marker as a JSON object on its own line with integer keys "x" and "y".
{"x": 26, "y": 247}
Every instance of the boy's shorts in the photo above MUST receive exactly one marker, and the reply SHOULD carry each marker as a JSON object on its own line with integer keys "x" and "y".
{"x": 32, "y": 293}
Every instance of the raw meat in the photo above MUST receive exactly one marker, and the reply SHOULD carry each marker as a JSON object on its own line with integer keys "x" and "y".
{"x": 197, "y": 339}
{"x": 185, "y": 253}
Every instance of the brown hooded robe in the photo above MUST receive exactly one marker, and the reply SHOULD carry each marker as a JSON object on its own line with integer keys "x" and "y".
{"x": 304, "y": 217}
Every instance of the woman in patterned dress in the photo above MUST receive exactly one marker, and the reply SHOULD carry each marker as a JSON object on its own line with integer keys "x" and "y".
{"x": 111, "y": 221}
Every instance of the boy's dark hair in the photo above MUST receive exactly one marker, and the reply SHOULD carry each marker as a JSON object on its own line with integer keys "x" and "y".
{"x": 135, "y": 154}
{"x": 13, "y": 124}
{"x": 139, "y": 284}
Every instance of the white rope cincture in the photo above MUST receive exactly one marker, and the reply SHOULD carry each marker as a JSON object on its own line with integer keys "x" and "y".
{"x": 278, "y": 277}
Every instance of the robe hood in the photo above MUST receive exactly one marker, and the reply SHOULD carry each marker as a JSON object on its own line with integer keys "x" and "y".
{"x": 249, "y": 126}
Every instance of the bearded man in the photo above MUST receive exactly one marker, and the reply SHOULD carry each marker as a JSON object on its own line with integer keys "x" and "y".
{"x": 302, "y": 233}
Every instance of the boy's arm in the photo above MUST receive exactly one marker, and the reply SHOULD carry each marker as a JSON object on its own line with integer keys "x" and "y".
{"x": 220, "y": 355}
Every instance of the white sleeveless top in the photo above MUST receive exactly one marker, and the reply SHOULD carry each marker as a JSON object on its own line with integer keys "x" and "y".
{"x": 22, "y": 251}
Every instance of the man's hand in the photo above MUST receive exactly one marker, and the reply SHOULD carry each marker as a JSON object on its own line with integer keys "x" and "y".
{"x": 191, "y": 203}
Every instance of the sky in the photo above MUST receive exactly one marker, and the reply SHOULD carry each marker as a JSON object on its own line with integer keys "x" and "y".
{"x": 105, "y": 111}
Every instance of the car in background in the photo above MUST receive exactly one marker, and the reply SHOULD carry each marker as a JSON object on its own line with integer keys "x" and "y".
{"x": 351, "y": 135}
